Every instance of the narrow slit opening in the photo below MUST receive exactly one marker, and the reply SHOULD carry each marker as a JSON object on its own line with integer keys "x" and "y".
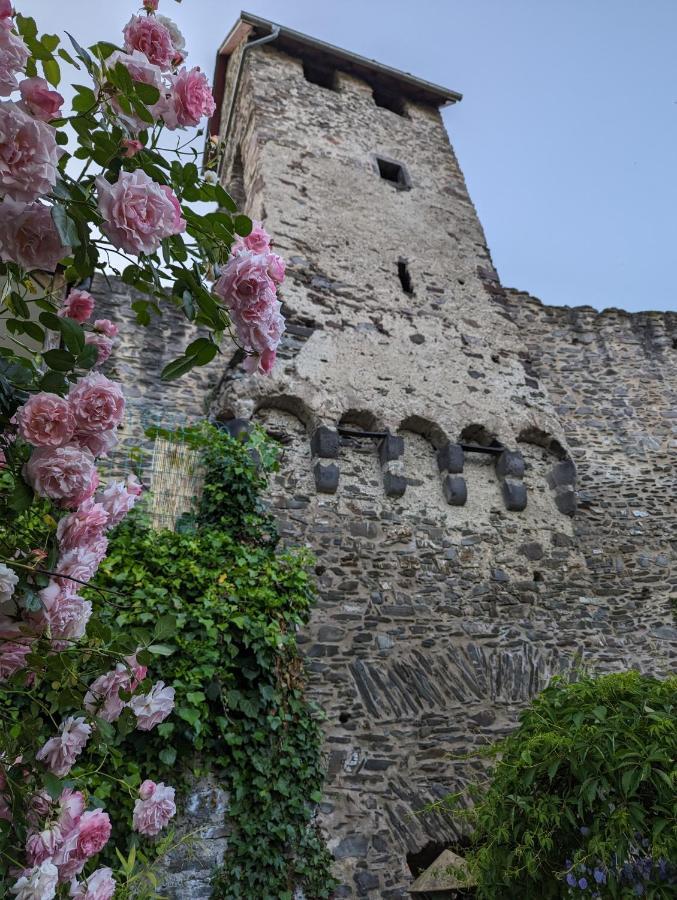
{"x": 405, "y": 276}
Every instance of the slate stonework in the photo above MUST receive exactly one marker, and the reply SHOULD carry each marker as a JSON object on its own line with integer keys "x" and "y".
{"x": 437, "y": 620}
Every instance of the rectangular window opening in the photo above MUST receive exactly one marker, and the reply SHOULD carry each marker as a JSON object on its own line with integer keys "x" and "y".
{"x": 324, "y": 76}
{"x": 236, "y": 182}
{"x": 393, "y": 172}
{"x": 405, "y": 276}
{"x": 393, "y": 102}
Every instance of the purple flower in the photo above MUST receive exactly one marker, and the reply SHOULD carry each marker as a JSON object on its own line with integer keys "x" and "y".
{"x": 582, "y": 883}
{"x": 571, "y": 879}
{"x": 600, "y": 876}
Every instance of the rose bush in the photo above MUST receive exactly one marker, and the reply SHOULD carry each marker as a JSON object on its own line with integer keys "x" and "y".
{"x": 71, "y": 688}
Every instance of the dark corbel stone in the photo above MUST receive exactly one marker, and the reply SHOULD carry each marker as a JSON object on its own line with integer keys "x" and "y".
{"x": 514, "y": 495}
{"x": 326, "y": 478}
{"x": 394, "y": 485}
{"x": 390, "y": 448}
{"x": 325, "y": 442}
{"x": 510, "y": 464}
{"x": 455, "y": 490}
{"x": 450, "y": 458}
{"x": 566, "y": 501}
{"x": 237, "y": 427}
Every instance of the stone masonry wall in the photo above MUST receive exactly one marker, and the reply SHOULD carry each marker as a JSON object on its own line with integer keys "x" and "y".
{"x": 444, "y": 606}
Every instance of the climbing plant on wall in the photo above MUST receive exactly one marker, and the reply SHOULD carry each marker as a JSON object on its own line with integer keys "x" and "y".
{"x": 581, "y": 797}
{"x": 231, "y": 601}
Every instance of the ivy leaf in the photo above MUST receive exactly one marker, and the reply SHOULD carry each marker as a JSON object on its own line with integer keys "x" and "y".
{"x": 165, "y": 627}
{"x": 161, "y": 649}
{"x": 168, "y": 756}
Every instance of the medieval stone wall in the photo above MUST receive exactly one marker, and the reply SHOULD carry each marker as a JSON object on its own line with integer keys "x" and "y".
{"x": 444, "y": 606}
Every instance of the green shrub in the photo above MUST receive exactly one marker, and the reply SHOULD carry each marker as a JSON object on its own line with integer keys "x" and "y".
{"x": 581, "y": 799}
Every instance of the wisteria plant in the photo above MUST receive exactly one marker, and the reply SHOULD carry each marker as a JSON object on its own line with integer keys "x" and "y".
{"x": 69, "y": 684}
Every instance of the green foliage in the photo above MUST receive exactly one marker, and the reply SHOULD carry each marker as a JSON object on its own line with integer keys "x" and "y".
{"x": 225, "y": 604}
{"x": 583, "y": 788}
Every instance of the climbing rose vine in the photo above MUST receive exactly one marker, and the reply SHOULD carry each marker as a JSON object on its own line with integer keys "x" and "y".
{"x": 71, "y": 688}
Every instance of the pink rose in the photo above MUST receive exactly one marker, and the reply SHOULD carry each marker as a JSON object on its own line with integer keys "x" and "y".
{"x": 258, "y": 241}
{"x": 246, "y": 287}
{"x": 63, "y": 611}
{"x": 71, "y": 808}
{"x": 83, "y": 527}
{"x": 276, "y": 268}
{"x": 190, "y": 100}
{"x": 262, "y": 363}
{"x": 150, "y": 37}
{"x": 98, "y": 404}
{"x": 59, "y": 753}
{"x": 154, "y": 808}
{"x": 130, "y": 147}
{"x": 40, "y": 101}
{"x": 78, "y": 306}
{"x": 138, "y": 213}
{"x": 13, "y": 58}
{"x": 103, "y": 697}
{"x": 118, "y": 500}
{"x": 28, "y": 155}
{"x": 134, "y": 486}
{"x": 103, "y": 344}
{"x": 66, "y": 475}
{"x": 178, "y": 40}
{"x": 42, "y": 845}
{"x": 97, "y": 444}
{"x": 152, "y": 708}
{"x": 13, "y": 657}
{"x": 80, "y": 565}
{"x": 38, "y": 883}
{"x": 46, "y": 420}
{"x": 28, "y": 236}
{"x": 105, "y": 326}
{"x": 99, "y": 886}
{"x": 6, "y": 11}
{"x": 94, "y": 830}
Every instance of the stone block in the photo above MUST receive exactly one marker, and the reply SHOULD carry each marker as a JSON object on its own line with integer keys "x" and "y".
{"x": 455, "y": 490}
{"x": 510, "y": 464}
{"x": 514, "y": 495}
{"x": 325, "y": 442}
{"x": 565, "y": 500}
{"x": 394, "y": 485}
{"x": 326, "y": 478}
{"x": 390, "y": 448}
{"x": 450, "y": 458}
{"x": 562, "y": 473}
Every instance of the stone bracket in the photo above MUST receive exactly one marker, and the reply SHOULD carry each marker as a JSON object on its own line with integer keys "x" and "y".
{"x": 455, "y": 490}
{"x": 324, "y": 442}
{"x": 510, "y": 470}
{"x": 326, "y": 477}
{"x": 451, "y": 459}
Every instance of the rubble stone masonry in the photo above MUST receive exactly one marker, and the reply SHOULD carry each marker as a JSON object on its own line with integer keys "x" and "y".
{"x": 445, "y": 602}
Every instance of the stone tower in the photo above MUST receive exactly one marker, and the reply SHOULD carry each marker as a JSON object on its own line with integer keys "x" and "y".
{"x": 487, "y": 484}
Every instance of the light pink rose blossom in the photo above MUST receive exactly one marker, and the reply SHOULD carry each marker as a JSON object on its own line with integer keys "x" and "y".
{"x": 66, "y": 475}
{"x": 42, "y": 845}
{"x": 138, "y": 213}
{"x": 105, "y": 326}
{"x": 6, "y": 11}
{"x": 258, "y": 241}
{"x": 190, "y": 100}
{"x": 246, "y": 287}
{"x": 149, "y": 36}
{"x": 46, "y": 420}
{"x": 94, "y": 829}
{"x": 99, "y": 886}
{"x": 38, "y": 883}
{"x": 28, "y": 155}
{"x": 97, "y": 444}
{"x": 83, "y": 527}
{"x": 80, "y": 565}
{"x": 130, "y": 147}
{"x": 98, "y": 404}
{"x": 71, "y": 808}
{"x": 154, "y": 808}
{"x": 29, "y": 237}
{"x": 103, "y": 344}
{"x": 103, "y": 696}
{"x": 118, "y": 500}
{"x": 13, "y": 58}
{"x": 134, "y": 486}
{"x": 152, "y": 708}
{"x": 78, "y": 305}
{"x": 178, "y": 40}
{"x": 13, "y": 657}
{"x": 8, "y": 582}
{"x": 40, "y": 100}
{"x": 63, "y": 611}
{"x": 59, "y": 753}
{"x": 276, "y": 268}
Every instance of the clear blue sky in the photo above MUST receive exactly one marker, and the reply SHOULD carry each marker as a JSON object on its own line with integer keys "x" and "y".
{"x": 567, "y": 132}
